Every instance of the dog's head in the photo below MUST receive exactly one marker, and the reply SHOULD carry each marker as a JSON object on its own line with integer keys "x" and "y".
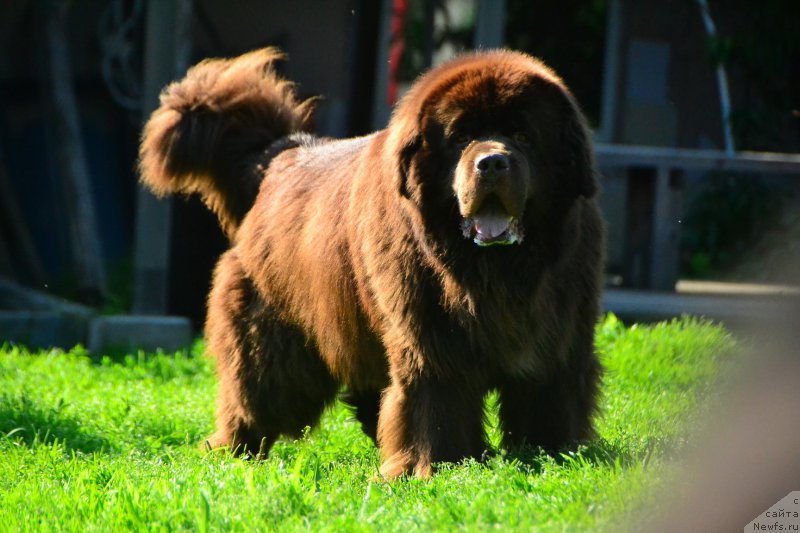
{"x": 493, "y": 140}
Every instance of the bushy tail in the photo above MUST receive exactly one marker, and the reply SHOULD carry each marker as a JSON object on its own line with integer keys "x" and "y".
{"x": 203, "y": 136}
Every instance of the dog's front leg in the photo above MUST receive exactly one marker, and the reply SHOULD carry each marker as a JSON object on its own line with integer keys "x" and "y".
{"x": 424, "y": 420}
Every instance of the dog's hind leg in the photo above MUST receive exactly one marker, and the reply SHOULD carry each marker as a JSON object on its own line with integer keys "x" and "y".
{"x": 272, "y": 381}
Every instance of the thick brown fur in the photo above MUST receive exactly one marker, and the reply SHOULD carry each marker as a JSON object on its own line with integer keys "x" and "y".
{"x": 357, "y": 265}
{"x": 209, "y": 127}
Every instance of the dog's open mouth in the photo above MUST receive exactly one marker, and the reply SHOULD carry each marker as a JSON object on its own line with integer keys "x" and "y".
{"x": 492, "y": 228}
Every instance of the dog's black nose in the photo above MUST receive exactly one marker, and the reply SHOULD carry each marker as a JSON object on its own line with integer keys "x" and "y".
{"x": 492, "y": 165}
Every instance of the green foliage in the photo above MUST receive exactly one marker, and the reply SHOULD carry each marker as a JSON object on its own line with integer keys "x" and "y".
{"x": 455, "y": 32}
{"x": 569, "y": 36}
{"x": 759, "y": 43}
{"x": 113, "y": 443}
{"x": 726, "y": 216}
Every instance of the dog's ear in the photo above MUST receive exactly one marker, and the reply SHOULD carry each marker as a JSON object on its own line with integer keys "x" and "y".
{"x": 403, "y": 141}
{"x": 404, "y": 160}
{"x": 576, "y": 156}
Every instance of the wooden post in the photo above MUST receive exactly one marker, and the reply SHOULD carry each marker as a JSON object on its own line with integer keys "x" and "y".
{"x": 17, "y": 234}
{"x": 490, "y": 24}
{"x": 381, "y": 110}
{"x": 611, "y": 68}
{"x": 87, "y": 256}
{"x": 428, "y": 44}
{"x": 638, "y": 231}
{"x": 666, "y": 230}
{"x": 167, "y": 45}
{"x": 654, "y": 200}
{"x": 652, "y": 229}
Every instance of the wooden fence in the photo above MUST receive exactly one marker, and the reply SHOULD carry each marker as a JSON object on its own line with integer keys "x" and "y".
{"x": 667, "y": 165}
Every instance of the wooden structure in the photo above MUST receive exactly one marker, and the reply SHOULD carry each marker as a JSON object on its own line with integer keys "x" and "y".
{"x": 166, "y": 57}
{"x": 662, "y": 106}
{"x": 655, "y": 265}
{"x": 659, "y": 116}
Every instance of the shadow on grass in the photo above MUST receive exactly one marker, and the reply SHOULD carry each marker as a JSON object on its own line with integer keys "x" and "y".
{"x": 119, "y": 354}
{"x": 162, "y": 366}
{"x": 599, "y": 453}
{"x": 22, "y": 421}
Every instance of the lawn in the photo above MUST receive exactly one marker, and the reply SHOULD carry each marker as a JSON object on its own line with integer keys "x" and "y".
{"x": 113, "y": 443}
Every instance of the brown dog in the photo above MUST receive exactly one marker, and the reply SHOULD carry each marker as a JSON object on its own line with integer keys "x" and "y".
{"x": 456, "y": 252}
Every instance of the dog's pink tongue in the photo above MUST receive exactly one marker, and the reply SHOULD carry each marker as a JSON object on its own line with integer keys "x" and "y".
{"x": 491, "y": 226}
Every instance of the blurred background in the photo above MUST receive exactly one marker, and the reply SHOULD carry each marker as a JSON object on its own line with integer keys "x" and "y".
{"x": 695, "y": 107}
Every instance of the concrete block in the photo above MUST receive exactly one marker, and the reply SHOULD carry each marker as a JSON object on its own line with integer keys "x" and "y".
{"x": 134, "y": 332}
{"x": 42, "y": 329}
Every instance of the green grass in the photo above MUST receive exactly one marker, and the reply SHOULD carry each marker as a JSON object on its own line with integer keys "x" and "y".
{"x": 109, "y": 444}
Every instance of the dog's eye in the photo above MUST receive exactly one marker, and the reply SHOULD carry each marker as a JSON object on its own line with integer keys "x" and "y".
{"x": 461, "y": 138}
{"x": 521, "y": 137}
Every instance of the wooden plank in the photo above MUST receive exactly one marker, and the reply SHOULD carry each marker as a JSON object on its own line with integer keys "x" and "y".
{"x": 18, "y": 236}
{"x": 16, "y": 297}
{"x": 85, "y": 244}
{"x": 666, "y": 231}
{"x": 620, "y": 155}
{"x": 655, "y": 266}
{"x": 733, "y": 309}
{"x": 638, "y": 231}
{"x": 611, "y": 82}
{"x": 490, "y": 24}
{"x": 381, "y": 110}
{"x": 166, "y": 57}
